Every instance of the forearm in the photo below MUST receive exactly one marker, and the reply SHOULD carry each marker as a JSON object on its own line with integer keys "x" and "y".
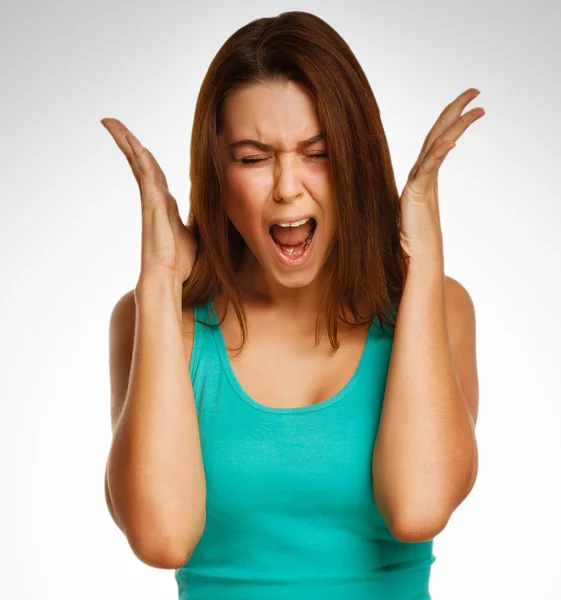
{"x": 155, "y": 470}
{"x": 425, "y": 449}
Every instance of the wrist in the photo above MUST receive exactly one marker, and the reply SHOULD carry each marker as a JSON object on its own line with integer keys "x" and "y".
{"x": 158, "y": 285}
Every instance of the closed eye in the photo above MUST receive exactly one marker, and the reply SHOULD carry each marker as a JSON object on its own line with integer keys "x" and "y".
{"x": 247, "y": 161}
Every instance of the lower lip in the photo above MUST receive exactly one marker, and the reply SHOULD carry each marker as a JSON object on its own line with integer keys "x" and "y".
{"x": 297, "y": 261}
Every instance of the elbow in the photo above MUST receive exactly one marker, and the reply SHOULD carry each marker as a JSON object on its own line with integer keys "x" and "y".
{"x": 409, "y": 526}
{"x": 164, "y": 553}
{"x": 411, "y": 530}
{"x": 157, "y": 549}
{"x": 414, "y": 526}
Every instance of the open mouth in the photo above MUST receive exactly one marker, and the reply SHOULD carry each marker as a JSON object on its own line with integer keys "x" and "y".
{"x": 297, "y": 253}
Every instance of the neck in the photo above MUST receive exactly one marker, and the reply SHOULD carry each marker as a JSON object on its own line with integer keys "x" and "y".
{"x": 259, "y": 288}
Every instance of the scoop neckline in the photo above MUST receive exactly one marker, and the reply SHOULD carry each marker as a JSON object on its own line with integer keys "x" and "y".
{"x": 237, "y": 387}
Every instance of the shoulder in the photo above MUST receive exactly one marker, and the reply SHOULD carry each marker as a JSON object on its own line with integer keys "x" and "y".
{"x": 460, "y": 311}
{"x": 124, "y": 308}
{"x": 121, "y": 339}
{"x": 121, "y": 327}
{"x": 124, "y": 313}
{"x": 457, "y": 298}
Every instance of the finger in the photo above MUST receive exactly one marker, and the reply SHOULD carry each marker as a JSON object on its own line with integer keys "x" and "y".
{"x": 151, "y": 191}
{"x": 143, "y": 159}
{"x": 161, "y": 176}
{"x": 457, "y": 129}
{"x": 450, "y": 137}
{"x": 118, "y": 131}
{"x": 150, "y": 171}
{"x": 448, "y": 116}
{"x": 154, "y": 185}
{"x": 425, "y": 174}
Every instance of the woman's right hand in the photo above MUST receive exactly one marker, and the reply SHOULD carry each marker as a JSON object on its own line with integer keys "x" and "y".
{"x": 167, "y": 243}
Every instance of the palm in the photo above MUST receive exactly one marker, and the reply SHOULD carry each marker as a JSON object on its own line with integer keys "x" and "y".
{"x": 167, "y": 242}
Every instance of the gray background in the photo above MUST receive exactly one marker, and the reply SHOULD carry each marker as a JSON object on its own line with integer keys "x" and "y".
{"x": 70, "y": 247}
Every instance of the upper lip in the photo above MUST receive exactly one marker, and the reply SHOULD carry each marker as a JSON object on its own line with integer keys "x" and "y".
{"x": 292, "y": 218}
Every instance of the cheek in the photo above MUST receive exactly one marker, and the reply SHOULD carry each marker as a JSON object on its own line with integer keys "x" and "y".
{"x": 242, "y": 178}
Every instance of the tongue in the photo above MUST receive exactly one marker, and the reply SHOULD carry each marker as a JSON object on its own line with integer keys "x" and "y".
{"x": 291, "y": 236}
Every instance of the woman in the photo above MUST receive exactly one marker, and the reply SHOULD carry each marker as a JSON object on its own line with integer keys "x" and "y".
{"x": 301, "y": 464}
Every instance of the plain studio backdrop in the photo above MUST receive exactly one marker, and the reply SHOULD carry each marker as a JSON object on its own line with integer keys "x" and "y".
{"x": 70, "y": 248}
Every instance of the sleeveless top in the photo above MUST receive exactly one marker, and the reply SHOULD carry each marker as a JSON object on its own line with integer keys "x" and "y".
{"x": 290, "y": 511}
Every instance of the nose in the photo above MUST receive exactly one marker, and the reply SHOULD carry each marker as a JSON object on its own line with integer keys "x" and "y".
{"x": 288, "y": 185}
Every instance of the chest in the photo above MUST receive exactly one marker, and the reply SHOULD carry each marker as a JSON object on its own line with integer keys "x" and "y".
{"x": 287, "y": 371}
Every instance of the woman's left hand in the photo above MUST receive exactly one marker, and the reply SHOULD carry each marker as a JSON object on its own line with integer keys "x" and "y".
{"x": 421, "y": 235}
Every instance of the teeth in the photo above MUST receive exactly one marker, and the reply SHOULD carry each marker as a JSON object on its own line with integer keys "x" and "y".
{"x": 294, "y": 223}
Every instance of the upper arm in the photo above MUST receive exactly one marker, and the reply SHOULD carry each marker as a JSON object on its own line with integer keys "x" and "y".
{"x": 121, "y": 339}
{"x": 121, "y": 342}
{"x": 460, "y": 313}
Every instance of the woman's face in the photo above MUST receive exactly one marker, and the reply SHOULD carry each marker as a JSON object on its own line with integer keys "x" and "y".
{"x": 287, "y": 182}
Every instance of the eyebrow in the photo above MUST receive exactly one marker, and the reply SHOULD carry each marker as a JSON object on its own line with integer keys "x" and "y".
{"x": 268, "y": 148}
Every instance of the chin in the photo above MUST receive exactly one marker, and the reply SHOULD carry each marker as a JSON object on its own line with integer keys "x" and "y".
{"x": 296, "y": 280}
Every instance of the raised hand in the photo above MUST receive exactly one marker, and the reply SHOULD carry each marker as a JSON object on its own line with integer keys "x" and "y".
{"x": 421, "y": 235}
{"x": 167, "y": 243}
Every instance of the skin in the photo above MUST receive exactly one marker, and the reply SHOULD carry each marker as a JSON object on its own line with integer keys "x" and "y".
{"x": 425, "y": 460}
{"x": 289, "y": 181}
{"x": 431, "y": 398}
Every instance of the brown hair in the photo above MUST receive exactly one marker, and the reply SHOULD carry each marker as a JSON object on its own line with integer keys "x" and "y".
{"x": 369, "y": 266}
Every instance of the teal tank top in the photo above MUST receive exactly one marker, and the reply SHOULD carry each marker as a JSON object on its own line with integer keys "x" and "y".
{"x": 290, "y": 512}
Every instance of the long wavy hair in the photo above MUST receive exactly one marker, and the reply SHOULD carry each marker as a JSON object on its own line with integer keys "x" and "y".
{"x": 369, "y": 266}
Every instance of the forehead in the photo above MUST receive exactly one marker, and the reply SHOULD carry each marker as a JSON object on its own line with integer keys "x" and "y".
{"x": 280, "y": 114}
